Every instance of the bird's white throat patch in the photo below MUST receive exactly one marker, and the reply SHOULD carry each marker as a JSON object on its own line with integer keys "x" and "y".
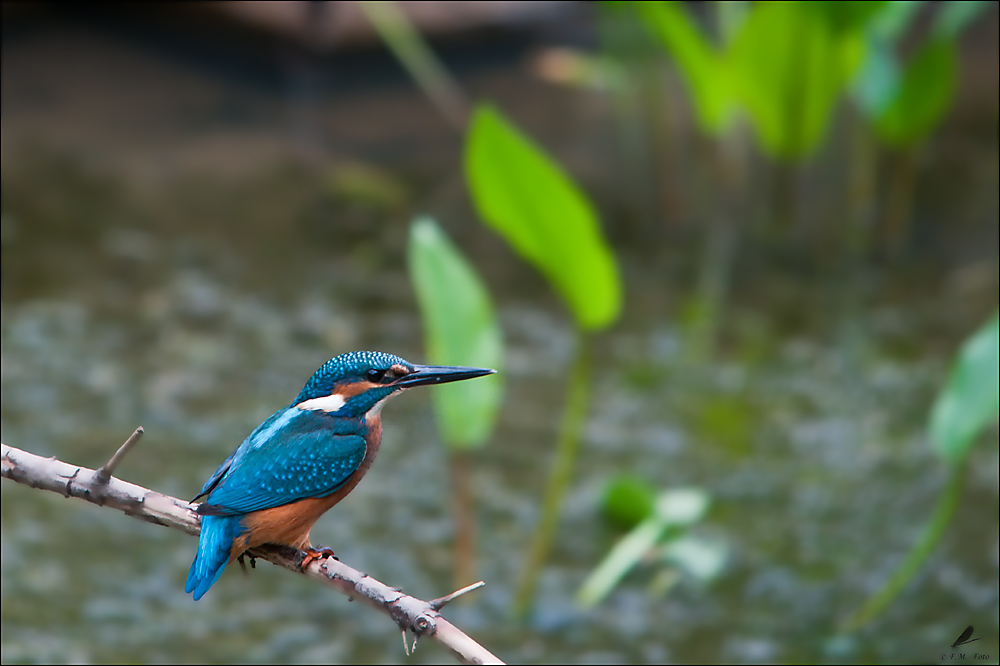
{"x": 326, "y": 403}
{"x": 373, "y": 414}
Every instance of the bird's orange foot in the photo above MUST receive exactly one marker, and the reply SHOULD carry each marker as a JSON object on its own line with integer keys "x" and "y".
{"x": 320, "y": 553}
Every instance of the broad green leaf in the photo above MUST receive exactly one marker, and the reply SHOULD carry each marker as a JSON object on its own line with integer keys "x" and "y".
{"x": 629, "y": 550}
{"x": 461, "y": 328}
{"x": 789, "y": 67}
{"x": 628, "y": 501}
{"x": 528, "y": 199}
{"x": 954, "y": 16}
{"x": 703, "y": 69}
{"x": 923, "y": 95}
{"x": 971, "y": 397}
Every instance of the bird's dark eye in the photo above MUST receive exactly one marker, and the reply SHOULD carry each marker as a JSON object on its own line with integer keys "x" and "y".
{"x": 375, "y": 376}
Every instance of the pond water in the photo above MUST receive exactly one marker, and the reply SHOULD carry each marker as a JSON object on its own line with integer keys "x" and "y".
{"x": 171, "y": 259}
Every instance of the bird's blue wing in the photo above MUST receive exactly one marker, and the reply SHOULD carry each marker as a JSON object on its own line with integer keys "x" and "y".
{"x": 295, "y": 461}
{"x": 271, "y": 425}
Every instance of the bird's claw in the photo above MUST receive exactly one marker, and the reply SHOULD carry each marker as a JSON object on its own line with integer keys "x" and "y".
{"x": 243, "y": 566}
{"x": 320, "y": 553}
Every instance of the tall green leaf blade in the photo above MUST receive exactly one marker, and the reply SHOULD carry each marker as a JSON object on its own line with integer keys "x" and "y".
{"x": 923, "y": 96}
{"x": 789, "y": 68}
{"x": 702, "y": 68}
{"x": 461, "y": 328}
{"x": 971, "y": 397}
{"x": 528, "y": 199}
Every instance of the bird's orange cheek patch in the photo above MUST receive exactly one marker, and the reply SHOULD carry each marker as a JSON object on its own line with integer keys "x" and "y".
{"x": 348, "y": 391}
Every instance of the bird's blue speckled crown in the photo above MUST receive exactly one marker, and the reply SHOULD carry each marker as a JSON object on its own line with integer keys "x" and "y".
{"x": 349, "y": 366}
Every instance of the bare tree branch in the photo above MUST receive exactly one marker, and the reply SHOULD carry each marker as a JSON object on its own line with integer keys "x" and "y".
{"x": 409, "y": 613}
{"x": 107, "y": 471}
{"x": 440, "y": 602}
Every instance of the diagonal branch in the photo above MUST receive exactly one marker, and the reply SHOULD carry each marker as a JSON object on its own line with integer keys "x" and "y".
{"x": 409, "y": 613}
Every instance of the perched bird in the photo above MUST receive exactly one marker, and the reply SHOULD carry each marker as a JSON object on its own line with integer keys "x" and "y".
{"x": 302, "y": 460}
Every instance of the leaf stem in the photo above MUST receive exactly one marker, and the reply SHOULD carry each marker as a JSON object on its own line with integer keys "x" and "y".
{"x": 419, "y": 60}
{"x": 571, "y": 428}
{"x": 943, "y": 512}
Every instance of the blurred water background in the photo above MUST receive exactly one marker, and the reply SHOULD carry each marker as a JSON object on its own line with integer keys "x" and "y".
{"x": 198, "y": 212}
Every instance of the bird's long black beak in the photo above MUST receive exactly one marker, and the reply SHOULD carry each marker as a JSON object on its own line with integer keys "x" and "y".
{"x": 440, "y": 374}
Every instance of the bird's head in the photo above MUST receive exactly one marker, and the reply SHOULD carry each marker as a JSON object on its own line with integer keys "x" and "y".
{"x": 357, "y": 383}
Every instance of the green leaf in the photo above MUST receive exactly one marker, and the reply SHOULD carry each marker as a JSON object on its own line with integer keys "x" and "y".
{"x": 461, "y": 328}
{"x": 971, "y": 397}
{"x": 628, "y": 501}
{"x": 528, "y": 199}
{"x": 923, "y": 96}
{"x": 703, "y": 69}
{"x": 789, "y": 67}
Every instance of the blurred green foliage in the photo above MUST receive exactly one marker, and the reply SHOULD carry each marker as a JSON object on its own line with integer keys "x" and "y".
{"x": 843, "y": 17}
{"x": 726, "y": 422}
{"x": 786, "y": 64}
{"x": 789, "y": 66}
{"x": 363, "y": 185}
{"x": 703, "y": 67}
{"x": 786, "y": 67}
{"x": 662, "y": 535}
{"x": 921, "y": 97}
{"x": 905, "y": 103}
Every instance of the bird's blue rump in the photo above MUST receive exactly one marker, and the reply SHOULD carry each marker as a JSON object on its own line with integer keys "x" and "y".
{"x": 214, "y": 546}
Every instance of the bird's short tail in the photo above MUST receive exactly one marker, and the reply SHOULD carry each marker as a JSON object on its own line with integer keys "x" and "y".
{"x": 214, "y": 546}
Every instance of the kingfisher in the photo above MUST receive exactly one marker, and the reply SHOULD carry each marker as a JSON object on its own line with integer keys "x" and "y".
{"x": 302, "y": 460}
